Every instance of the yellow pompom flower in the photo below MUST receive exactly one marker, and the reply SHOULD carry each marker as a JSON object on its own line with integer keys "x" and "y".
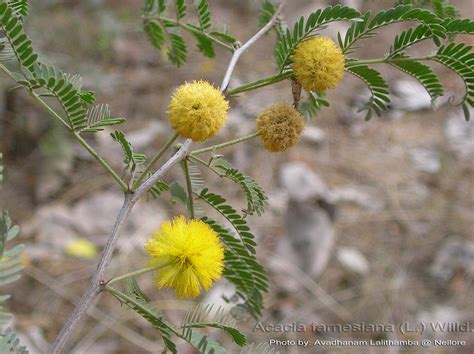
{"x": 318, "y": 64}
{"x": 197, "y": 110}
{"x": 280, "y": 127}
{"x": 190, "y": 255}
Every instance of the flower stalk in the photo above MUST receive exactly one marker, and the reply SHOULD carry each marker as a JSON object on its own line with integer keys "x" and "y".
{"x": 135, "y": 273}
{"x": 351, "y": 63}
{"x": 223, "y": 145}
{"x": 154, "y": 161}
{"x": 260, "y": 83}
{"x": 189, "y": 188}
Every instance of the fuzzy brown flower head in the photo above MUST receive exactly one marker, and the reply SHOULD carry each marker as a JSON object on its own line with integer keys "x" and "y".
{"x": 280, "y": 127}
{"x": 318, "y": 64}
{"x": 198, "y": 110}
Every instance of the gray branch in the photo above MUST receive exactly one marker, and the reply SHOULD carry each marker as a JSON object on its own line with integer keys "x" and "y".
{"x": 247, "y": 45}
{"x": 98, "y": 282}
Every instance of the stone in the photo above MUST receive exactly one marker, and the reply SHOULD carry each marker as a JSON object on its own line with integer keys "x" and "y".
{"x": 313, "y": 135}
{"x": 57, "y": 226}
{"x": 442, "y": 315}
{"x": 302, "y": 183}
{"x": 94, "y": 216}
{"x": 412, "y": 194}
{"x": 460, "y": 135}
{"x": 410, "y": 96}
{"x": 426, "y": 160}
{"x": 142, "y": 138}
{"x": 309, "y": 219}
{"x": 453, "y": 256}
{"x": 353, "y": 260}
{"x": 358, "y": 195}
{"x": 215, "y": 297}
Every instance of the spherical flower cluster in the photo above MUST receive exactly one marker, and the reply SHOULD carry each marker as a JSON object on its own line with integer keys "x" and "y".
{"x": 318, "y": 64}
{"x": 197, "y": 110}
{"x": 280, "y": 127}
{"x": 189, "y": 255}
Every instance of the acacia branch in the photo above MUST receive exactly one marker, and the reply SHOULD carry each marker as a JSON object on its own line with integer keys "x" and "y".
{"x": 238, "y": 52}
{"x": 98, "y": 283}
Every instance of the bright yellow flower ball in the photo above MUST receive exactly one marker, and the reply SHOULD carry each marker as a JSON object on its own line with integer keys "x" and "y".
{"x": 318, "y": 64}
{"x": 197, "y": 110}
{"x": 280, "y": 127}
{"x": 191, "y": 255}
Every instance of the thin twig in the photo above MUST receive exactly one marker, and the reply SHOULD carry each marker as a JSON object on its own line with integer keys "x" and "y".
{"x": 246, "y": 45}
{"x": 189, "y": 188}
{"x": 136, "y": 273}
{"x": 154, "y": 160}
{"x": 191, "y": 29}
{"x": 223, "y": 145}
{"x": 98, "y": 283}
{"x": 151, "y": 181}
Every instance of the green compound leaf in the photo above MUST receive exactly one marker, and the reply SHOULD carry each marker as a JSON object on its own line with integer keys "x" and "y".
{"x": 200, "y": 317}
{"x": 179, "y": 193}
{"x": 203, "y": 13}
{"x": 64, "y": 87}
{"x": 139, "y": 304}
{"x": 177, "y": 52}
{"x": 455, "y": 26}
{"x": 137, "y": 300}
{"x": 368, "y": 24}
{"x": 12, "y": 26}
{"x": 313, "y": 104}
{"x": 242, "y": 269}
{"x": 240, "y": 225}
{"x": 222, "y": 34}
{"x": 180, "y": 8}
{"x": 257, "y": 200}
{"x": 154, "y": 7}
{"x": 157, "y": 189}
{"x": 131, "y": 159}
{"x": 442, "y": 8}
{"x": 164, "y": 32}
{"x": 99, "y": 117}
{"x": 10, "y": 260}
{"x": 267, "y": 11}
{"x": 9, "y": 343}
{"x": 154, "y": 33}
{"x": 377, "y": 86}
{"x": 304, "y": 29}
{"x": 197, "y": 183}
{"x": 467, "y": 113}
{"x": 19, "y": 6}
{"x": 408, "y": 38}
{"x": 423, "y": 73}
{"x": 205, "y": 45}
{"x": 459, "y": 58}
{"x": 87, "y": 96}
{"x": 202, "y": 342}
{"x": 159, "y": 36}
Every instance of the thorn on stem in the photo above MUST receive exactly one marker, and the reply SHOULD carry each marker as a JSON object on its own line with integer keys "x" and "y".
{"x": 296, "y": 91}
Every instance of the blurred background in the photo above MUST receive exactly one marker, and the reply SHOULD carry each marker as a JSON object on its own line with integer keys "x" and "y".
{"x": 382, "y": 234}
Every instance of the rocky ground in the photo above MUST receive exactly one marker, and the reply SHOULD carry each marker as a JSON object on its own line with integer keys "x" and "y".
{"x": 385, "y": 225}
